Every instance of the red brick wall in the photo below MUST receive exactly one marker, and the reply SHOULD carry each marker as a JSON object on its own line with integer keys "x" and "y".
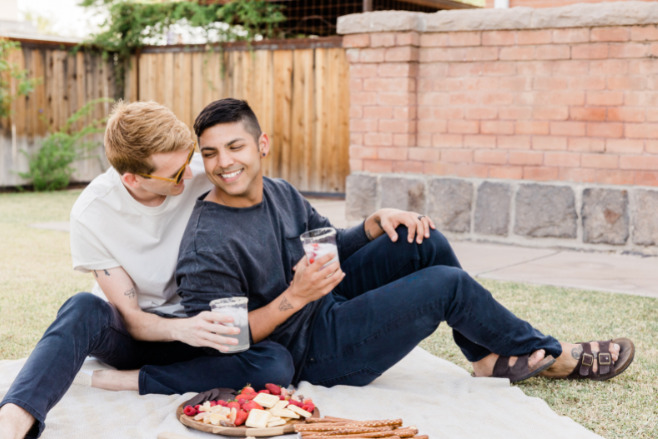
{"x": 560, "y": 104}
{"x": 549, "y": 3}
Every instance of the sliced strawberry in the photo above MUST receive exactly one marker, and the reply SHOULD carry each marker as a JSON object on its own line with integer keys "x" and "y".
{"x": 308, "y": 406}
{"x": 295, "y": 402}
{"x": 264, "y": 391}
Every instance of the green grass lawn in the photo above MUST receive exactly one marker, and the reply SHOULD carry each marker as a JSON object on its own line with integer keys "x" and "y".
{"x": 36, "y": 278}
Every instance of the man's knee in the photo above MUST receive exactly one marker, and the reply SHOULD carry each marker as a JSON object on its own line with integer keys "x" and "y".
{"x": 85, "y": 309}
{"x": 276, "y": 363}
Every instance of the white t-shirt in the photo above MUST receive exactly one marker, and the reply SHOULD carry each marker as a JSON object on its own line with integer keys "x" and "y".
{"x": 109, "y": 229}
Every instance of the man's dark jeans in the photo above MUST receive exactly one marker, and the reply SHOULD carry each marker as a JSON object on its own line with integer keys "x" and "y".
{"x": 87, "y": 325}
{"x": 393, "y": 296}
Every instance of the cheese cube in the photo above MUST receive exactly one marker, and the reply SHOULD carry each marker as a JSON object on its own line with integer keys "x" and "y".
{"x": 299, "y": 411}
{"x": 266, "y": 400}
{"x": 275, "y": 421}
{"x": 258, "y": 418}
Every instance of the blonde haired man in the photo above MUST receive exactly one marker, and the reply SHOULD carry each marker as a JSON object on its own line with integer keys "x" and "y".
{"x": 126, "y": 228}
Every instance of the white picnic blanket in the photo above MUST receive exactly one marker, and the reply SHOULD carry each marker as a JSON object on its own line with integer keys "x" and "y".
{"x": 441, "y": 399}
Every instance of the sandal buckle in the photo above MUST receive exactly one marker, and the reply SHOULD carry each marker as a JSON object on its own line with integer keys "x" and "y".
{"x": 605, "y": 359}
{"x": 588, "y": 360}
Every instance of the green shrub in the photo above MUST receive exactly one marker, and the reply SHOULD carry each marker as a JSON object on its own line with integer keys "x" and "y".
{"x": 50, "y": 168}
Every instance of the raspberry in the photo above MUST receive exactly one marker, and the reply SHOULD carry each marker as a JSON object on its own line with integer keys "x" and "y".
{"x": 189, "y": 410}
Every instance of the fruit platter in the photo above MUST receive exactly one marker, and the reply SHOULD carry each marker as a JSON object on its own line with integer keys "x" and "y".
{"x": 271, "y": 411}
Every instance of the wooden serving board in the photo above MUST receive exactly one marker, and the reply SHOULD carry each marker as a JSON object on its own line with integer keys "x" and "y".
{"x": 241, "y": 431}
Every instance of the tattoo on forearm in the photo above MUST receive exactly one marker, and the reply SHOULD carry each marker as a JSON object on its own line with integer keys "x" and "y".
{"x": 285, "y": 305}
{"x": 107, "y": 273}
{"x": 577, "y": 352}
{"x": 379, "y": 223}
{"x": 131, "y": 293}
{"x": 369, "y": 235}
{"x": 95, "y": 274}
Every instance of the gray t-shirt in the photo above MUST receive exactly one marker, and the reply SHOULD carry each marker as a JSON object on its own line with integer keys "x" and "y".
{"x": 251, "y": 251}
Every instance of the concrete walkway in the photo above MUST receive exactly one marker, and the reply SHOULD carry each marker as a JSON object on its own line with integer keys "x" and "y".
{"x": 625, "y": 274}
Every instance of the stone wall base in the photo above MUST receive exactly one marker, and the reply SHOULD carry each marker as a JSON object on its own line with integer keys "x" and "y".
{"x": 621, "y": 219}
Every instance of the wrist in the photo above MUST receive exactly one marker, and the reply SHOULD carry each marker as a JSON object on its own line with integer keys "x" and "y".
{"x": 292, "y": 300}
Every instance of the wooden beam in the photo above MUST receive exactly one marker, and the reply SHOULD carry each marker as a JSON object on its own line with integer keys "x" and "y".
{"x": 367, "y": 5}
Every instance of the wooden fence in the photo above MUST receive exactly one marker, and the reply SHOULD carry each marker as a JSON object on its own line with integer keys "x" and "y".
{"x": 299, "y": 89}
{"x": 67, "y": 81}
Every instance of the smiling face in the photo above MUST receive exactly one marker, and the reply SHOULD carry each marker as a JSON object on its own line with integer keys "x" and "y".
{"x": 232, "y": 160}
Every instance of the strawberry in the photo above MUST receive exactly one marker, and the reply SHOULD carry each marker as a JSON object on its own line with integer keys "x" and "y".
{"x": 240, "y": 417}
{"x": 273, "y": 388}
{"x": 295, "y": 402}
{"x": 248, "y": 389}
{"x": 189, "y": 410}
{"x": 233, "y": 404}
{"x": 252, "y": 405}
{"x": 308, "y": 406}
{"x": 246, "y": 396}
{"x": 264, "y": 391}
{"x": 221, "y": 402}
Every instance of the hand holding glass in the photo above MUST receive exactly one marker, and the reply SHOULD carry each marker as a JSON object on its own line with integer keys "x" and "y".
{"x": 319, "y": 242}
{"x": 235, "y": 307}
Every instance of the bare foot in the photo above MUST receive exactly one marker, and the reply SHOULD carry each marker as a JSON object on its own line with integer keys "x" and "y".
{"x": 485, "y": 367}
{"x": 15, "y": 422}
{"x": 571, "y": 353}
{"x": 115, "y": 379}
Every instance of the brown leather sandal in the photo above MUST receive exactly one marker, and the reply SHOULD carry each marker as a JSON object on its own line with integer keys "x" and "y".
{"x": 606, "y": 367}
{"x": 520, "y": 371}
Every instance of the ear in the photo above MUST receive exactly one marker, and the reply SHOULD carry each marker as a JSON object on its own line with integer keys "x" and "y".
{"x": 264, "y": 145}
{"x": 129, "y": 179}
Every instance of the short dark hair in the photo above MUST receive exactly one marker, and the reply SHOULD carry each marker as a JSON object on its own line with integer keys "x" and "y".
{"x": 227, "y": 110}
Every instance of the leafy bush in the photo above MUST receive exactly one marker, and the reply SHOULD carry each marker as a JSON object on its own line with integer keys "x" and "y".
{"x": 50, "y": 168}
{"x": 8, "y": 72}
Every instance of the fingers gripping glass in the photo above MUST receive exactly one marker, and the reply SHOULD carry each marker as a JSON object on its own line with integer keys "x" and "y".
{"x": 179, "y": 175}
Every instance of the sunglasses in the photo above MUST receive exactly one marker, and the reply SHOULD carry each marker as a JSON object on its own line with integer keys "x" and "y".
{"x": 179, "y": 175}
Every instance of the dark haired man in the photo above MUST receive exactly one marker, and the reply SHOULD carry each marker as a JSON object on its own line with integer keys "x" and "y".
{"x": 347, "y": 322}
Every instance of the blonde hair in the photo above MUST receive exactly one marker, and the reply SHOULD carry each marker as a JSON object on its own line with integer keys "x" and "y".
{"x": 135, "y": 131}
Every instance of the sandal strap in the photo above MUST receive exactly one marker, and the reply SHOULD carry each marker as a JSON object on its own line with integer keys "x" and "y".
{"x": 586, "y": 360}
{"x": 604, "y": 358}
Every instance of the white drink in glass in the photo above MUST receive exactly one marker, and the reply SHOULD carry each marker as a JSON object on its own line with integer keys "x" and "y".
{"x": 235, "y": 307}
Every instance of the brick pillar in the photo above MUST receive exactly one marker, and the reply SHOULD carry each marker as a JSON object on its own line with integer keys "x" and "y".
{"x": 383, "y": 119}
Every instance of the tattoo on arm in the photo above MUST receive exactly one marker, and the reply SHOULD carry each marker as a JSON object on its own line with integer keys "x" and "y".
{"x": 369, "y": 235}
{"x": 379, "y": 223}
{"x": 131, "y": 293}
{"x": 107, "y": 273}
{"x": 577, "y": 352}
{"x": 95, "y": 273}
{"x": 285, "y": 305}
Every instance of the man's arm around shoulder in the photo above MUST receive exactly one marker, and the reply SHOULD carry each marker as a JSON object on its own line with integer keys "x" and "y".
{"x": 202, "y": 330}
